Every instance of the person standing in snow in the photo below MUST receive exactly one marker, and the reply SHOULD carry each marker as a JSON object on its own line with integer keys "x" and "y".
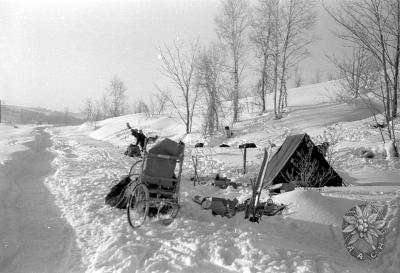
{"x": 138, "y": 134}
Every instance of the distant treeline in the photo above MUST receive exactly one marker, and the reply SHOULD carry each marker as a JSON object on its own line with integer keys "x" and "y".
{"x": 25, "y": 115}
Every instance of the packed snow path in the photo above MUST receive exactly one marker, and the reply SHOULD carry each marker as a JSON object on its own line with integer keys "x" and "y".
{"x": 33, "y": 236}
{"x": 196, "y": 241}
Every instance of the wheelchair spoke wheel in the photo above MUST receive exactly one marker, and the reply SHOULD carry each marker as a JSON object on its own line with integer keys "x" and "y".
{"x": 138, "y": 205}
{"x": 136, "y": 169}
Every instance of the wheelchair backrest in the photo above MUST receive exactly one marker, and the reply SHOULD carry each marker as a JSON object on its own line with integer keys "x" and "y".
{"x": 161, "y": 159}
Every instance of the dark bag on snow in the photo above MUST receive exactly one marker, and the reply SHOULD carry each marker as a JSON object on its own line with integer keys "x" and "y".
{"x": 117, "y": 197}
{"x": 223, "y": 207}
{"x": 133, "y": 151}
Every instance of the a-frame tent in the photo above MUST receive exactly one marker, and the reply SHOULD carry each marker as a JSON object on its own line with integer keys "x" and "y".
{"x": 282, "y": 161}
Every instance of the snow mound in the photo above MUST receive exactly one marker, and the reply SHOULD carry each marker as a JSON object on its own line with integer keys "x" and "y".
{"x": 114, "y": 130}
{"x": 312, "y": 206}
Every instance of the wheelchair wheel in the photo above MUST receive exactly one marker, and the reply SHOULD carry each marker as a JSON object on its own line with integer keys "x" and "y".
{"x": 138, "y": 205}
{"x": 135, "y": 169}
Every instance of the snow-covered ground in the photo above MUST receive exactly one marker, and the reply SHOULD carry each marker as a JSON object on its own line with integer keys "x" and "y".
{"x": 11, "y": 139}
{"x": 306, "y": 238}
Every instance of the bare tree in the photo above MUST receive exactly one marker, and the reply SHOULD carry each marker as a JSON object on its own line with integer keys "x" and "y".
{"x": 158, "y": 102}
{"x": 357, "y": 72}
{"x": 141, "y": 107}
{"x": 331, "y": 76}
{"x": 262, "y": 36}
{"x": 317, "y": 77}
{"x": 231, "y": 25}
{"x": 104, "y": 106}
{"x": 117, "y": 96}
{"x": 88, "y": 109}
{"x": 97, "y": 113}
{"x": 298, "y": 79}
{"x": 92, "y": 111}
{"x": 374, "y": 25}
{"x": 284, "y": 30}
{"x": 209, "y": 72}
{"x": 298, "y": 20}
{"x": 179, "y": 66}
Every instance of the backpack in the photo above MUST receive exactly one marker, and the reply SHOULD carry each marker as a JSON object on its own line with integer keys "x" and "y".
{"x": 133, "y": 151}
{"x": 117, "y": 197}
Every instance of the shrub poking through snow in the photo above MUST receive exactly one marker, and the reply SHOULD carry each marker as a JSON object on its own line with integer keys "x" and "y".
{"x": 332, "y": 135}
{"x": 307, "y": 172}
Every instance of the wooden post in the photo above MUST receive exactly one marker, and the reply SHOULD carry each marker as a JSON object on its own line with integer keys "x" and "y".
{"x": 196, "y": 176}
{"x": 244, "y": 160}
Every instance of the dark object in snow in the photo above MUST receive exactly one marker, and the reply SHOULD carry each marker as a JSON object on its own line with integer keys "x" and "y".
{"x": 228, "y": 132}
{"x": 323, "y": 148}
{"x": 223, "y": 145}
{"x": 367, "y": 154}
{"x": 133, "y": 151}
{"x": 378, "y": 125}
{"x": 223, "y": 207}
{"x": 199, "y": 145}
{"x": 218, "y": 206}
{"x": 223, "y": 182}
{"x": 247, "y": 145}
{"x": 117, "y": 197}
{"x": 205, "y": 202}
{"x": 268, "y": 208}
{"x": 282, "y": 161}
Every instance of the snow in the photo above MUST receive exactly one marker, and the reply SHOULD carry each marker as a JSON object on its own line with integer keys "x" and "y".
{"x": 11, "y": 139}
{"x": 320, "y": 209}
{"x": 306, "y": 238}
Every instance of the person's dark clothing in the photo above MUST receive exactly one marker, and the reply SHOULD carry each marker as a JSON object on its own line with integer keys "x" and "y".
{"x": 140, "y": 138}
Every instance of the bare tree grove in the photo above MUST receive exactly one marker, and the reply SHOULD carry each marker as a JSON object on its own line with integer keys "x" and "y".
{"x": 232, "y": 24}
{"x": 282, "y": 31}
{"x": 209, "y": 75}
{"x": 374, "y": 26}
{"x": 179, "y": 65}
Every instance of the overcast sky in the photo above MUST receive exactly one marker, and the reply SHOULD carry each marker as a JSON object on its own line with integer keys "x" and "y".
{"x": 54, "y": 54}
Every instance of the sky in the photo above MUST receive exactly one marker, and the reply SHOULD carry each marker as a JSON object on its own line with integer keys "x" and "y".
{"x": 55, "y": 54}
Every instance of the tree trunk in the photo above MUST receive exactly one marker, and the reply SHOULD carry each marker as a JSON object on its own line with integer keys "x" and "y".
{"x": 236, "y": 94}
{"x": 275, "y": 83}
{"x": 263, "y": 85}
{"x": 396, "y": 64}
{"x": 282, "y": 80}
{"x": 188, "y": 125}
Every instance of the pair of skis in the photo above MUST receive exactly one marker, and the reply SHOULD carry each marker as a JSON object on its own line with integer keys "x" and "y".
{"x": 257, "y": 186}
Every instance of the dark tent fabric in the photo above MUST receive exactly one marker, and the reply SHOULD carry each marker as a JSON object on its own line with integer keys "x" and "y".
{"x": 282, "y": 161}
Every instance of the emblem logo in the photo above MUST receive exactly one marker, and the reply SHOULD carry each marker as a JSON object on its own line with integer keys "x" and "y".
{"x": 364, "y": 230}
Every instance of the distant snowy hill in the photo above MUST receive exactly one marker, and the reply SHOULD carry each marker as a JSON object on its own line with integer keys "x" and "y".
{"x": 36, "y": 115}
